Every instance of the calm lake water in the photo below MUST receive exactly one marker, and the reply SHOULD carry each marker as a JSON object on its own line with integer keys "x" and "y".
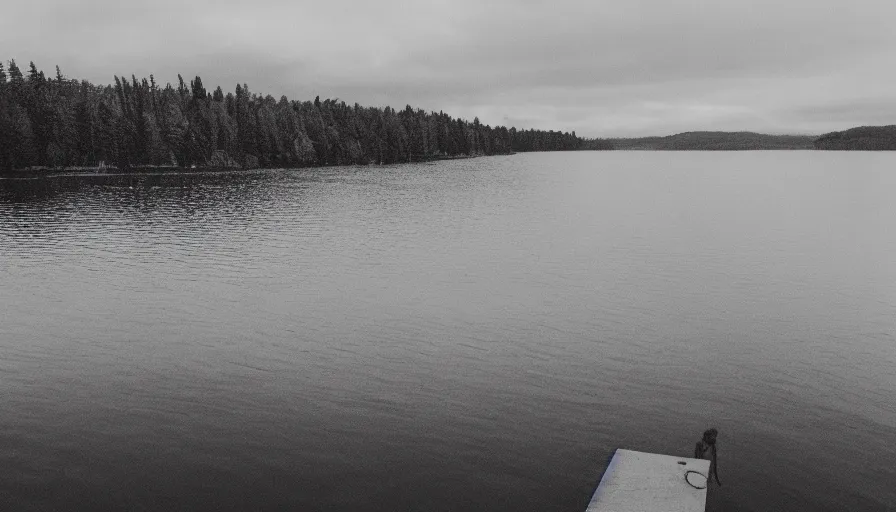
{"x": 464, "y": 335}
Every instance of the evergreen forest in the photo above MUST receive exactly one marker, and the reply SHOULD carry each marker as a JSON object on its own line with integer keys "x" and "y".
{"x": 58, "y": 122}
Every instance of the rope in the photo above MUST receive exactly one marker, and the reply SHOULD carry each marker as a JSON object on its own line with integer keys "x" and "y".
{"x": 686, "y": 479}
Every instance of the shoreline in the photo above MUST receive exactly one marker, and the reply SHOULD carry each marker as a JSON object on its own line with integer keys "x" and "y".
{"x": 140, "y": 169}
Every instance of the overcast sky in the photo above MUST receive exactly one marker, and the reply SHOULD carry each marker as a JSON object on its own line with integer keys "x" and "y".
{"x": 601, "y": 68}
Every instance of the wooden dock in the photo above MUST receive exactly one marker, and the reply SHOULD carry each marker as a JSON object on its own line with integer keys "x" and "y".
{"x": 648, "y": 482}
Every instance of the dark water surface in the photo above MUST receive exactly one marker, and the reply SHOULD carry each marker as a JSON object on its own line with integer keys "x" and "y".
{"x": 466, "y": 335}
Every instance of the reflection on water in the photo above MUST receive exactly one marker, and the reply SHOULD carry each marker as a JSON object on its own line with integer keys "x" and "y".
{"x": 465, "y": 335}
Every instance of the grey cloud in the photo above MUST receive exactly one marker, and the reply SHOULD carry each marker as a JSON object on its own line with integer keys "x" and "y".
{"x": 602, "y": 68}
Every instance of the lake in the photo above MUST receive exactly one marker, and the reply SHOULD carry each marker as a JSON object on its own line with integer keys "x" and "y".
{"x": 461, "y": 335}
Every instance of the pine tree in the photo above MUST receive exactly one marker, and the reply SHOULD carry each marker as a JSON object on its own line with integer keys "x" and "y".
{"x": 181, "y": 87}
{"x": 15, "y": 74}
{"x": 197, "y": 89}
{"x": 34, "y": 76}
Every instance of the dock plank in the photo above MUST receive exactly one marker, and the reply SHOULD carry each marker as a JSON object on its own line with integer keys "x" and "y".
{"x": 649, "y": 482}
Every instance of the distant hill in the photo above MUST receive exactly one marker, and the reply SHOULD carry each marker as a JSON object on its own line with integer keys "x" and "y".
{"x": 863, "y": 138}
{"x": 716, "y": 141}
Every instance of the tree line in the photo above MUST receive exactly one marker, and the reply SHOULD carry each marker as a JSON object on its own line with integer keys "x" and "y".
{"x": 861, "y": 138}
{"x": 61, "y": 122}
{"x": 715, "y": 141}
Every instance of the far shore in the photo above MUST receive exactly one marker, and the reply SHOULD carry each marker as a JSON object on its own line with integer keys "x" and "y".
{"x": 106, "y": 169}
{"x": 870, "y": 138}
